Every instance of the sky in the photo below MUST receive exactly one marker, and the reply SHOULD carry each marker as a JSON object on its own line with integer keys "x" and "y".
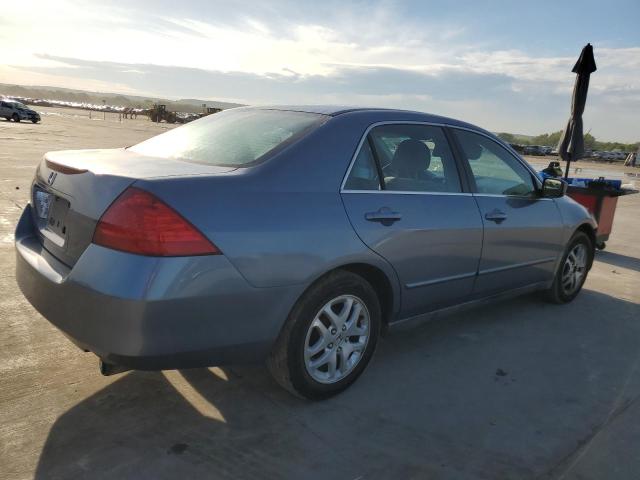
{"x": 504, "y": 65}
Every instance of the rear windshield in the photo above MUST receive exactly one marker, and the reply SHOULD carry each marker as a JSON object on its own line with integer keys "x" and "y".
{"x": 236, "y": 137}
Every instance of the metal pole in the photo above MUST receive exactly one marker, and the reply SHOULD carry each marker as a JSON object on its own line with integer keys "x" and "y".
{"x": 566, "y": 172}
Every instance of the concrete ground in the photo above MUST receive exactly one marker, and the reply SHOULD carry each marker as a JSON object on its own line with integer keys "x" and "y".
{"x": 522, "y": 389}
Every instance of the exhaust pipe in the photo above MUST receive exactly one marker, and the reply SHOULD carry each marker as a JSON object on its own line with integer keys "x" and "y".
{"x": 107, "y": 369}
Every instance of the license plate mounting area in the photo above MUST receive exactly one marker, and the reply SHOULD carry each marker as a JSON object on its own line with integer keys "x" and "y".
{"x": 59, "y": 207}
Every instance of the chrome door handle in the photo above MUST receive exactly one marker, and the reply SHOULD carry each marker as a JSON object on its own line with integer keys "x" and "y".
{"x": 385, "y": 216}
{"x": 496, "y": 215}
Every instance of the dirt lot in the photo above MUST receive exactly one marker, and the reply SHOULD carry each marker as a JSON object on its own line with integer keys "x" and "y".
{"x": 522, "y": 389}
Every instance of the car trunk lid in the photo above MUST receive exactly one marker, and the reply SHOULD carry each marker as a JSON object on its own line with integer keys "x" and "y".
{"x": 72, "y": 189}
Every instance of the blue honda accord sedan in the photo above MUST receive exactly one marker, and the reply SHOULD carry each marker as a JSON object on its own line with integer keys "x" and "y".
{"x": 295, "y": 235}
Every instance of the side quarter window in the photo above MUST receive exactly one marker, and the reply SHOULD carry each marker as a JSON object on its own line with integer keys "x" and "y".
{"x": 363, "y": 174}
{"x": 495, "y": 170}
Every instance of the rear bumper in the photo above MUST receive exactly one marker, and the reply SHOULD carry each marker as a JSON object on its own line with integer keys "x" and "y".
{"x": 152, "y": 313}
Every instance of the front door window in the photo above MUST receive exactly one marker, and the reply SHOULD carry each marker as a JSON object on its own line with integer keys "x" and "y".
{"x": 495, "y": 170}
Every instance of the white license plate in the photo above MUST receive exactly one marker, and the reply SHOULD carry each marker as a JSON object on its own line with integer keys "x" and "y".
{"x": 43, "y": 203}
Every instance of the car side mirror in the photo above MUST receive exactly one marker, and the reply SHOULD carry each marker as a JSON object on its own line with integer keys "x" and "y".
{"x": 553, "y": 188}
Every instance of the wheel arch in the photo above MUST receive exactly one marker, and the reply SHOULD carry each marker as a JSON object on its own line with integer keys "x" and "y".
{"x": 379, "y": 281}
{"x": 589, "y": 230}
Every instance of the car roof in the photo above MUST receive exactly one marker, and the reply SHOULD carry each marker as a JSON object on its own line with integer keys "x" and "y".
{"x": 331, "y": 110}
{"x": 336, "y": 110}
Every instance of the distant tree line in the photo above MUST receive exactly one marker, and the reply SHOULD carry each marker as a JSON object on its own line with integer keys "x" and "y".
{"x": 552, "y": 140}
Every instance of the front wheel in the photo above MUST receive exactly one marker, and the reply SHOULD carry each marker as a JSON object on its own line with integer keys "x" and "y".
{"x": 329, "y": 337}
{"x": 573, "y": 269}
{"x": 15, "y": 118}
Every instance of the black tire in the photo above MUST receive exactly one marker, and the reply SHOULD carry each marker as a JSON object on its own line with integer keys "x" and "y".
{"x": 286, "y": 361}
{"x": 15, "y": 118}
{"x": 34, "y": 121}
{"x": 557, "y": 293}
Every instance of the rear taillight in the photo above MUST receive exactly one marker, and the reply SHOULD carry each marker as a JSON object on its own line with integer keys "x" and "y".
{"x": 139, "y": 222}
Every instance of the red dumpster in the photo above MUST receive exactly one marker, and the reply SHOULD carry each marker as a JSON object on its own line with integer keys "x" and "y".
{"x": 601, "y": 202}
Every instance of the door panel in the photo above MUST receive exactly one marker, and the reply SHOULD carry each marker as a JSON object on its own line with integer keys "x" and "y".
{"x": 522, "y": 231}
{"x": 404, "y": 198}
{"x": 434, "y": 247}
{"x": 521, "y": 248}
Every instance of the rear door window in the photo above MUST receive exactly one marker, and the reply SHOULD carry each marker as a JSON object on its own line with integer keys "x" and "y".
{"x": 415, "y": 158}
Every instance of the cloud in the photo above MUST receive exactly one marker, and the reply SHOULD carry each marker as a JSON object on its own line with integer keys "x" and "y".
{"x": 344, "y": 81}
{"x": 284, "y": 51}
{"x": 265, "y": 38}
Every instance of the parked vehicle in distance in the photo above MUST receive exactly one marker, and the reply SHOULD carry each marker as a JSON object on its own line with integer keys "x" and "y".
{"x": 534, "y": 150}
{"x": 547, "y": 150}
{"x": 16, "y": 111}
{"x": 298, "y": 235}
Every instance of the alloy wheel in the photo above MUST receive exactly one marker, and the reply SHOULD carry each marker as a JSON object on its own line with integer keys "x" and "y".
{"x": 336, "y": 339}
{"x": 574, "y": 269}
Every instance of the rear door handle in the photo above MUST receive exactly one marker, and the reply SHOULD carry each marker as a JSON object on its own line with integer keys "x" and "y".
{"x": 496, "y": 215}
{"x": 385, "y": 216}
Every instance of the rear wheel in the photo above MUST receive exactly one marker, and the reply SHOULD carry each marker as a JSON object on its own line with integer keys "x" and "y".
{"x": 329, "y": 337}
{"x": 573, "y": 269}
{"x": 15, "y": 117}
